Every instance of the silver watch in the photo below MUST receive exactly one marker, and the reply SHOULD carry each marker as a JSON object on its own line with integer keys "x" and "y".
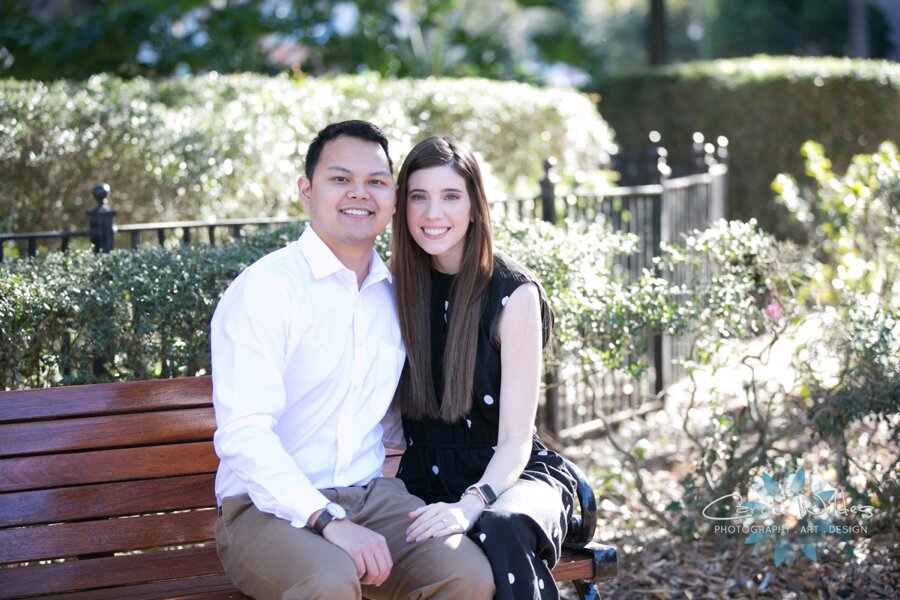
{"x": 332, "y": 512}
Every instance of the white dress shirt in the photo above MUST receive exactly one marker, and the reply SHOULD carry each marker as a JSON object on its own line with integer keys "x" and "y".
{"x": 305, "y": 364}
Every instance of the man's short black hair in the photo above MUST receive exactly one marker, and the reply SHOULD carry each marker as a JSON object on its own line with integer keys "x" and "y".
{"x": 362, "y": 130}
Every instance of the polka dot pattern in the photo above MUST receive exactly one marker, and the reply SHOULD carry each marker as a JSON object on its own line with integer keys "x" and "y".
{"x": 525, "y": 569}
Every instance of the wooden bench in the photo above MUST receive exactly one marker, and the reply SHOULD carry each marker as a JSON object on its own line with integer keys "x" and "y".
{"x": 106, "y": 492}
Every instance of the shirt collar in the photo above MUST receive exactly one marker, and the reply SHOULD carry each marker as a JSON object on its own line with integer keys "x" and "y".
{"x": 323, "y": 262}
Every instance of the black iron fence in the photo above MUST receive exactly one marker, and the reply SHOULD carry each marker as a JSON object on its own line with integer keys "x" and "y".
{"x": 103, "y": 233}
{"x": 673, "y": 198}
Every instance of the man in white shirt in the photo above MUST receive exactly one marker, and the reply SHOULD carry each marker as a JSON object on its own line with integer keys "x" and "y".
{"x": 306, "y": 355}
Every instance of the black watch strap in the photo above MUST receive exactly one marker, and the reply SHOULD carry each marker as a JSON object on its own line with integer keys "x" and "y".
{"x": 488, "y": 493}
{"x": 323, "y": 519}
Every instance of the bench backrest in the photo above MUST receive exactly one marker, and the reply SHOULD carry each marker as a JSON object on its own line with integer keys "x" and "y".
{"x": 71, "y": 458}
{"x": 111, "y": 485}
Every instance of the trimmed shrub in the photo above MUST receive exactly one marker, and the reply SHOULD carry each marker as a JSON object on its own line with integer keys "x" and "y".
{"x": 82, "y": 317}
{"x": 233, "y": 146}
{"x": 767, "y": 107}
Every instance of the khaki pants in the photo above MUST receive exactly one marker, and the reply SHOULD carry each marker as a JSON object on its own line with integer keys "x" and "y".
{"x": 267, "y": 558}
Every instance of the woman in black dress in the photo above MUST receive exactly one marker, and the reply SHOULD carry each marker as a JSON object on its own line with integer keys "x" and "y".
{"x": 474, "y": 323}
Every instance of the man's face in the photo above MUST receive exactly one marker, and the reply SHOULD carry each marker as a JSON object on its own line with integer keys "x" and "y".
{"x": 351, "y": 197}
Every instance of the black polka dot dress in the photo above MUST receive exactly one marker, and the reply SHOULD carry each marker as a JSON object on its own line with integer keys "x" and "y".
{"x": 523, "y": 532}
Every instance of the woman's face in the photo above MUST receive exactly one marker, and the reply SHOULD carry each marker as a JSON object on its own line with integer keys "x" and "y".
{"x": 438, "y": 213}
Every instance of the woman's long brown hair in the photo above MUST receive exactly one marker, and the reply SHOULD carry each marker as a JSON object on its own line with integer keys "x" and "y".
{"x": 412, "y": 278}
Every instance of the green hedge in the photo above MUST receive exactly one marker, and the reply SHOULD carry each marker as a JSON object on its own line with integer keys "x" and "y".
{"x": 81, "y": 317}
{"x": 767, "y": 107}
{"x": 230, "y": 146}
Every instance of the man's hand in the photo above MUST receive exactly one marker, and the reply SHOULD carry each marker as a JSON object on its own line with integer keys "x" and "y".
{"x": 367, "y": 549}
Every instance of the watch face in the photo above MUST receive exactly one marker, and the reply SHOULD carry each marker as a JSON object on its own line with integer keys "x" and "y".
{"x": 336, "y": 510}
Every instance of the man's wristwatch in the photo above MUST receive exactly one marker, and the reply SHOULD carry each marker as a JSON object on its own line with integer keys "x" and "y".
{"x": 332, "y": 512}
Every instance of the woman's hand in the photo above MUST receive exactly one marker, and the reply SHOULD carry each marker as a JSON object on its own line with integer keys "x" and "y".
{"x": 442, "y": 519}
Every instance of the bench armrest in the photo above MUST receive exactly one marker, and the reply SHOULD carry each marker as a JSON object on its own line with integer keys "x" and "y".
{"x": 583, "y": 526}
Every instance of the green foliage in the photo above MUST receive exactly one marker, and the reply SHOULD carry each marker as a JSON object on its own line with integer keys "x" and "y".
{"x": 601, "y": 319}
{"x": 145, "y": 313}
{"x": 233, "y": 146}
{"x": 742, "y": 283}
{"x": 851, "y": 370}
{"x": 844, "y": 375}
{"x": 162, "y": 38}
{"x": 853, "y": 221}
{"x": 767, "y": 107}
{"x": 741, "y": 28}
{"x": 80, "y": 317}
{"x": 128, "y": 38}
{"x": 737, "y": 289}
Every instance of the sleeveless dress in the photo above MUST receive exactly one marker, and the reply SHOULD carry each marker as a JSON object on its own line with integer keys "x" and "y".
{"x": 522, "y": 533}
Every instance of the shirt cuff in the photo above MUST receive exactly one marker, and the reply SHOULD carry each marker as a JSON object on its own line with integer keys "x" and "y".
{"x": 305, "y": 505}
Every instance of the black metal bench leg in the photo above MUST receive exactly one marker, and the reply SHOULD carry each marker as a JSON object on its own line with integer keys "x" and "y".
{"x": 587, "y": 590}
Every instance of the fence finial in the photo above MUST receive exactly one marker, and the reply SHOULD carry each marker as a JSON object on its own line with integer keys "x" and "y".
{"x": 548, "y": 193}
{"x": 101, "y": 195}
{"x": 722, "y": 149}
{"x": 100, "y": 219}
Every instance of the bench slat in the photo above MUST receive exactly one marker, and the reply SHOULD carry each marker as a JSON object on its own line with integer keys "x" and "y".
{"x": 212, "y": 587}
{"x": 114, "y": 571}
{"x": 108, "y": 431}
{"x": 43, "y": 542}
{"x": 137, "y": 568}
{"x": 573, "y": 565}
{"x": 71, "y": 457}
{"x": 106, "y": 500}
{"x": 105, "y": 398}
{"x": 59, "y": 470}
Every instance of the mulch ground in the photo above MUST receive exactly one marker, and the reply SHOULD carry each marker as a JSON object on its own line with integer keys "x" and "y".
{"x": 719, "y": 568}
{"x": 657, "y": 564}
{"x": 654, "y": 563}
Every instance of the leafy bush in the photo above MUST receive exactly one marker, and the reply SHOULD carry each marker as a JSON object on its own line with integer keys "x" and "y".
{"x": 852, "y": 222}
{"x": 233, "y": 146}
{"x": 851, "y": 371}
{"x": 818, "y": 371}
{"x": 767, "y": 107}
{"x": 77, "y": 317}
{"x": 81, "y": 317}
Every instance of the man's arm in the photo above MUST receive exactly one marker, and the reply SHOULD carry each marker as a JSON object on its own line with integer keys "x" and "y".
{"x": 392, "y": 426}
{"x": 249, "y": 333}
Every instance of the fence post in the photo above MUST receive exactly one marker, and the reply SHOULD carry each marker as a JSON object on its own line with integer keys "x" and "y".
{"x": 718, "y": 189}
{"x": 100, "y": 220}
{"x": 698, "y": 155}
{"x": 551, "y": 376}
{"x": 548, "y": 194}
{"x": 660, "y": 219}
